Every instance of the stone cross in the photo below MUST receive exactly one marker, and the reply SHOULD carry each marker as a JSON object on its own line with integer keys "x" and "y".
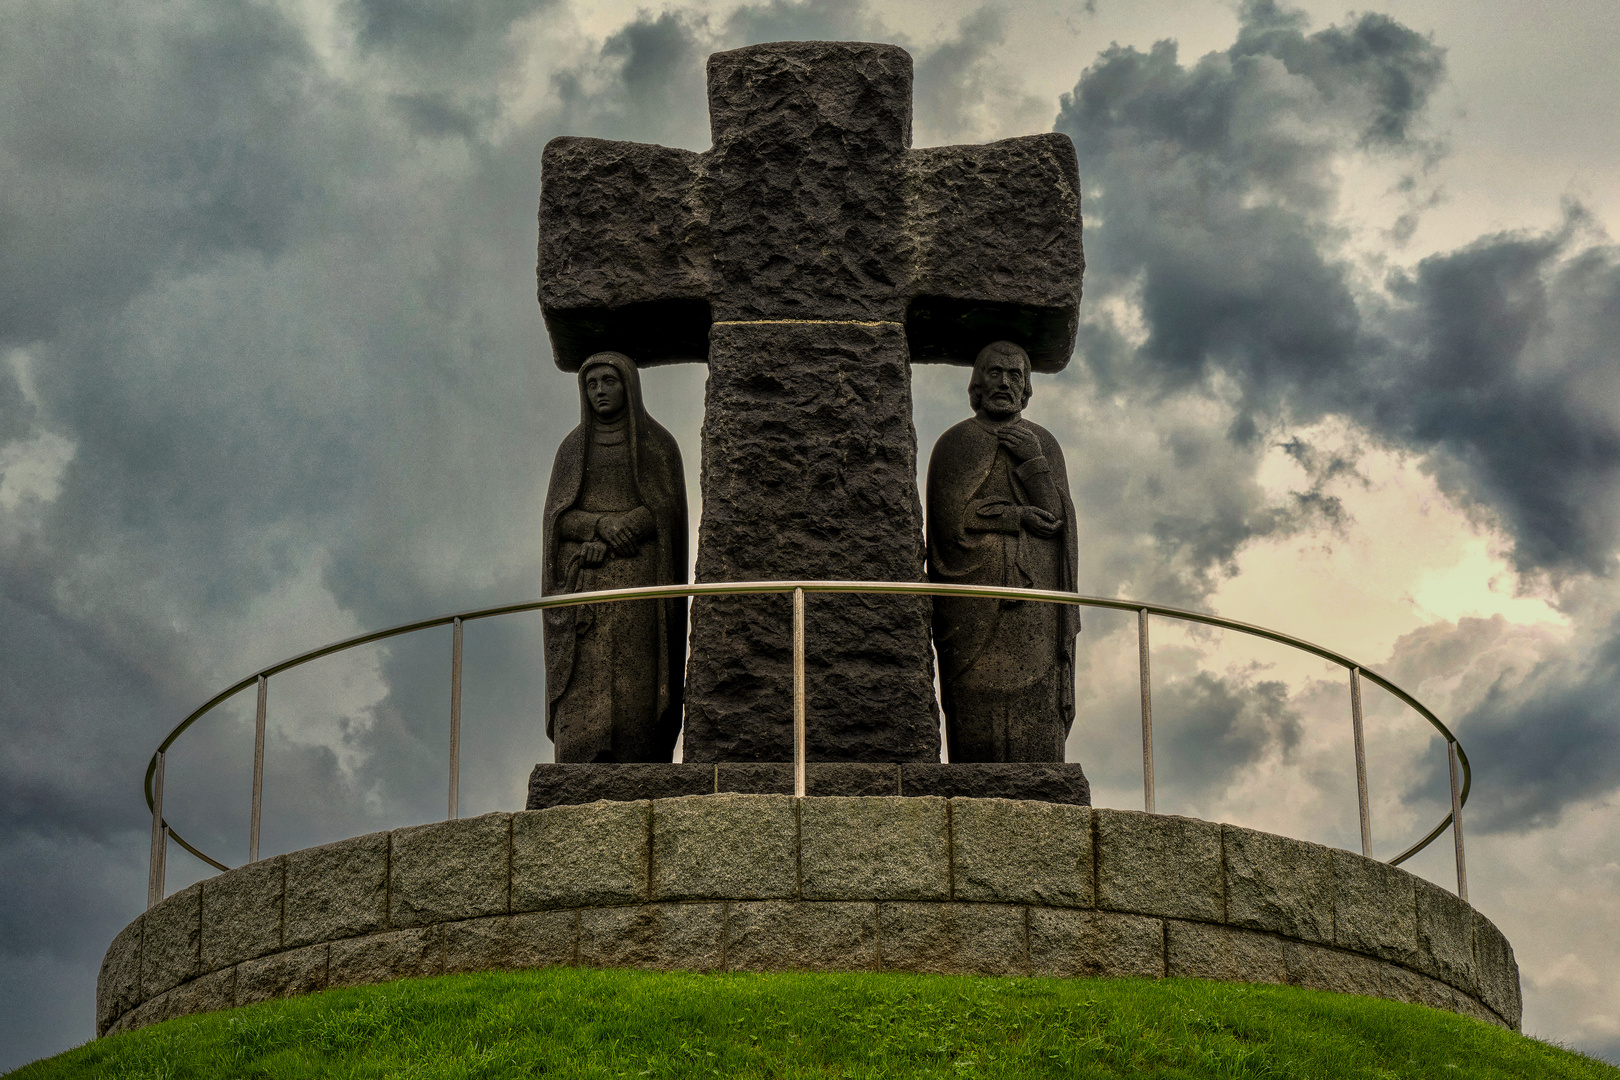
{"x": 810, "y": 257}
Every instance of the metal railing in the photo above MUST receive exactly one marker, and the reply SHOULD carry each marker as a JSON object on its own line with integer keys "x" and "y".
{"x": 1461, "y": 776}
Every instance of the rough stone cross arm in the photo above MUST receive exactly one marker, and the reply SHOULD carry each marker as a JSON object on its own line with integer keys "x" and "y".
{"x": 642, "y": 246}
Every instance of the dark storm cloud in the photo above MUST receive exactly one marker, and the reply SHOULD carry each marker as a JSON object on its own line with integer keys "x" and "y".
{"x": 1222, "y": 725}
{"x": 16, "y": 412}
{"x": 1544, "y": 733}
{"x": 803, "y": 20}
{"x": 1213, "y": 188}
{"x": 437, "y": 30}
{"x": 1386, "y": 70}
{"x": 1502, "y": 360}
{"x": 1213, "y": 193}
{"x": 1213, "y": 184}
{"x": 959, "y": 76}
{"x": 139, "y": 145}
{"x": 440, "y": 116}
{"x": 287, "y": 339}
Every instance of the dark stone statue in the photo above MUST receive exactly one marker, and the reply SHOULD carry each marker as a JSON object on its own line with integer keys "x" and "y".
{"x": 615, "y": 519}
{"x": 999, "y": 513}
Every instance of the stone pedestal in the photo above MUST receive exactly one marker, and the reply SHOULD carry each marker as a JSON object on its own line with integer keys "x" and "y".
{"x": 774, "y": 883}
{"x": 573, "y": 784}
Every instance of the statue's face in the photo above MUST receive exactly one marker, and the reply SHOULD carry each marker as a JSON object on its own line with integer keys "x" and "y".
{"x": 605, "y": 391}
{"x": 1001, "y": 385}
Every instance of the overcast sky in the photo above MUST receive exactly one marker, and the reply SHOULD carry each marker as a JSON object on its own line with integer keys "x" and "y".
{"x": 272, "y": 373}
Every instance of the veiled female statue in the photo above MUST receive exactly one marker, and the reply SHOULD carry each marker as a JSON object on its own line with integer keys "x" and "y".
{"x": 615, "y": 518}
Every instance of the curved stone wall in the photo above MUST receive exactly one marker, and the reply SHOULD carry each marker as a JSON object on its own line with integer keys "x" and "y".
{"x": 770, "y": 882}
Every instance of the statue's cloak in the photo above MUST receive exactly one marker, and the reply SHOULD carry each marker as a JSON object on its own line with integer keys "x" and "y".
{"x": 963, "y": 627}
{"x": 660, "y": 481}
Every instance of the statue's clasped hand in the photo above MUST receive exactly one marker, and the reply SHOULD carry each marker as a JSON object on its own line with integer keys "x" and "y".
{"x": 1019, "y": 442}
{"x": 619, "y": 534}
{"x": 593, "y": 553}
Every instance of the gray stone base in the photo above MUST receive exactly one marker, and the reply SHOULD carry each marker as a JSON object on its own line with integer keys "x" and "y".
{"x": 575, "y": 784}
{"x": 739, "y": 882}
{"x": 787, "y": 935}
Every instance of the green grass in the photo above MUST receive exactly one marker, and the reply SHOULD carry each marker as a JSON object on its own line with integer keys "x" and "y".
{"x": 566, "y": 1022}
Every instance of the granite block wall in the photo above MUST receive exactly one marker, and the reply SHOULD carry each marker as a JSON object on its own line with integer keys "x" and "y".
{"x": 774, "y": 883}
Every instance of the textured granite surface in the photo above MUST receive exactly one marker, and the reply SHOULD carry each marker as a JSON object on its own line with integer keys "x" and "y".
{"x": 573, "y": 784}
{"x": 772, "y": 883}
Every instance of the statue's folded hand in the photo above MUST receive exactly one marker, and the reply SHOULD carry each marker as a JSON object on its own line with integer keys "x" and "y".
{"x": 1040, "y": 522}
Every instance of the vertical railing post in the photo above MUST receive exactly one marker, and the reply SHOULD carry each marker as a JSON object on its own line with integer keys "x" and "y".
{"x": 798, "y": 693}
{"x": 160, "y": 839}
{"x": 1147, "y": 711}
{"x": 258, "y": 772}
{"x": 1456, "y": 819}
{"x": 455, "y": 719}
{"x": 1361, "y": 761}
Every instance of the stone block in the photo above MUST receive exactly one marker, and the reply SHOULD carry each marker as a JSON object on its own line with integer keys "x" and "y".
{"x": 820, "y": 778}
{"x": 1464, "y": 1005}
{"x": 1398, "y": 984}
{"x": 886, "y": 848}
{"x": 449, "y": 870}
{"x": 1445, "y": 936}
{"x": 1374, "y": 908}
{"x": 285, "y": 974}
{"x": 171, "y": 942}
{"x": 1095, "y": 944}
{"x": 1227, "y": 953}
{"x": 1319, "y": 968}
{"x": 241, "y": 913}
{"x": 336, "y": 891}
{"x": 756, "y": 778}
{"x": 577, "y": 856}
{"x": 1057, "y": 782}
{"x": 379, "y": 958}
{"x": 1496, "y": 971}
{"x": 206, "y": 993}
{"x": 118, "y": 986}
{"x": 574, "y": 783}
{"x": 533, "y": 939}
{"x": 665, "y": 937}
{"x": 953, "y": 939}
{"x": 152, "y": 1011}
{"x": 1155, "y": 864}
{"x": 1278, "y": 884}
{"x": 785, "y": 935}
{"x": 1021, "y": 852}
{"x": 724, "y": 847}
{"x": 850, "y": 778}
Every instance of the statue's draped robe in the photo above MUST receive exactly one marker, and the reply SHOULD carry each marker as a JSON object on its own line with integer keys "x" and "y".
{"x": 615, "y": 671}
{"x": 1006, "y": 668}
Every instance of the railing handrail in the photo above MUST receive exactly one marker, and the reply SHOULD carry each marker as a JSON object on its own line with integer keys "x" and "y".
{"x": 917, "y": 588}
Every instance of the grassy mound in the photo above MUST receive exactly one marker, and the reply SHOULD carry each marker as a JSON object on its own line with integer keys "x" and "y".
{"x": 567, "y": 1022}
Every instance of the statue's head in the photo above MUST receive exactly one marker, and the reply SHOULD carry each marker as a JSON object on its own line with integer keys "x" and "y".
{"x": 1000, "y": 386}
{"x": 602, "y": 379}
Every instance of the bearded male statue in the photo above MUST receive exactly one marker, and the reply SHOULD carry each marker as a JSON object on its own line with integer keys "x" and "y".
{"x": 999, "y": 513}
{"x": 615, "y": 519}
